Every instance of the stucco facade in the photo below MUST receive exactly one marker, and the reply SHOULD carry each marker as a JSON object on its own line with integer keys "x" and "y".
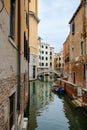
{"x": 43, "y": 56}
{"x": 55, "y": 61}
{"x": 60, "y": 62}
{"x": 33, "y": 38}
{"x": 13, "y": 85}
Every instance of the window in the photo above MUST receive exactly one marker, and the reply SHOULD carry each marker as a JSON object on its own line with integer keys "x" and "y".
{"x": 27, "y": 20}
{"x": 51, "y": 64}
{"x": 42, "y": 64}
{"x": 50, "y": 57}
{"x": 59, "y": 65}
{"x": 12, "y": 18}
{"x": 72, "y": 52}
{"x": 34, "y": 71}
{"x": 26, "y": 51}
{"x": 46, "y": 64}
{"x": 82, "y": 51}
{"x": 50, "y": 53}
{"x": 12, "y": 111}
{"x": 46, "y": 52}
{"x": 73, "y": 28}
{"x": 46, "y": 58}
{"x": 46, "y": 47}
{"x": 42, "y": 46}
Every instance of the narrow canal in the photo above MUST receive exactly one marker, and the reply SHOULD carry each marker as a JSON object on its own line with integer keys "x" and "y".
{"x": 49, "y": 111}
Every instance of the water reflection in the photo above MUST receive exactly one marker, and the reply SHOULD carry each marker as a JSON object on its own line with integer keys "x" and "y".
{"x": 40, "y": 96}
{"x": 48, "y": 78}
{"x": 77, "y": 116}
{"x": 45, "y": 108}
{"x": 49, "y": 111}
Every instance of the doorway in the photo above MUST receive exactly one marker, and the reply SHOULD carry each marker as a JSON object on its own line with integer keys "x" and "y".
{"x": 34, "y": 72}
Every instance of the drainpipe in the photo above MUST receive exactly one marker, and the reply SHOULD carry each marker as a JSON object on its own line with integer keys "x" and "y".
{"x": 28, "y": 68}
{"x": 19, "y": 58}
{"x": 28, "y": 49}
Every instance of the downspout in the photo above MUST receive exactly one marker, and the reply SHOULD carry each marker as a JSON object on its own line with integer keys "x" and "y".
{"x": 19, "y": 59}
{"x": 28, "y": 51}
{"x": 28, "y": 68}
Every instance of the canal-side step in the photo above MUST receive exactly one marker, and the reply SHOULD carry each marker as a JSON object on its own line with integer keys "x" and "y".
{"x": 77, "y": 102}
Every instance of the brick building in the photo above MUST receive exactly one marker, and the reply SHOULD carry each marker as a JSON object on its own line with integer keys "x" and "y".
{"x": 78, "y": 46}
{"x": 13, "y": 63}
{"x": 66, "y": 53}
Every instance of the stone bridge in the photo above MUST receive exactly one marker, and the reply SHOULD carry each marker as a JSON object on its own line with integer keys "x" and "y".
{"x": 47, "y": 71}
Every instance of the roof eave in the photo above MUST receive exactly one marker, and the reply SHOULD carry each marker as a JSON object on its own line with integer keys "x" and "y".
{"x": 80, "y": 5}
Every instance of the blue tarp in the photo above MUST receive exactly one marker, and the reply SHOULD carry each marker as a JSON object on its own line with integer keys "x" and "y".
{"x": 59, "y": 88}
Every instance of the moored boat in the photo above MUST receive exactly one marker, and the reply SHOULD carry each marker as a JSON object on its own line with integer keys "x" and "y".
{"x": 57, "y": 88}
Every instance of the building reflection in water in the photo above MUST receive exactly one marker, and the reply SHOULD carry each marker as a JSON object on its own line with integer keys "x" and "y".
{"x": 77, "y": 116}
{"x": 40, "y": 95}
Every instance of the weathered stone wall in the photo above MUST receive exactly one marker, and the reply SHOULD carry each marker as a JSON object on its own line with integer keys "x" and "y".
{"x": 8, "y": 74}
{"x": 7, "y": 88}
{"x": 33, "y": 62}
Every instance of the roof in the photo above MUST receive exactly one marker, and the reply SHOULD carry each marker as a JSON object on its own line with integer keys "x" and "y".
{"x": 77, "y": 10}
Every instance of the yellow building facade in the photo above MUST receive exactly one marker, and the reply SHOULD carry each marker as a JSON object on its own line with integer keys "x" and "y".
{"x": 33, "y": 38}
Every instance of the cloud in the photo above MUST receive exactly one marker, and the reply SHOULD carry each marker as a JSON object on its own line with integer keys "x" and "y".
{"x": 55, "y": 16}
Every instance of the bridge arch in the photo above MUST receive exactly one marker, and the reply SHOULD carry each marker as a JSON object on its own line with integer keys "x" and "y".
{"x": 47, "y": 71}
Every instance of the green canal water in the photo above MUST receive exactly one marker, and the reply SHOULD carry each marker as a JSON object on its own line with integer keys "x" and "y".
{"x": 49, "y": 111}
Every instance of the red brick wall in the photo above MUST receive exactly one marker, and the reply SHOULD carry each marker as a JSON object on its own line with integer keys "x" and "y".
{"x": 66, "y": 55}
{"x": 70, "y": 89}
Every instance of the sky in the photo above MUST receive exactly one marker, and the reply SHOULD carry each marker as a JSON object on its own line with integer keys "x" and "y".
{"x": 54, "y": 18}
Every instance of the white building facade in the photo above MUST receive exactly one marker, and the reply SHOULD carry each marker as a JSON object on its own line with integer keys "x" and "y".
{"x": 43, "y": 56}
